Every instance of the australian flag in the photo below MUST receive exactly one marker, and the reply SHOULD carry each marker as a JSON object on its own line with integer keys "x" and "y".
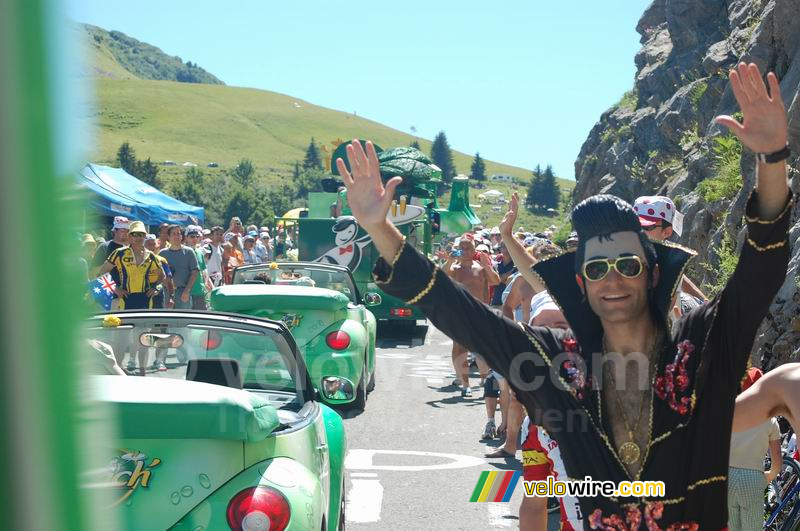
{"x": 102, "y": 290}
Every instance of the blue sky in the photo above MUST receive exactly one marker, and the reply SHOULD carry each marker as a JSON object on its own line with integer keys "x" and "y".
{"x": 522, "y": 82}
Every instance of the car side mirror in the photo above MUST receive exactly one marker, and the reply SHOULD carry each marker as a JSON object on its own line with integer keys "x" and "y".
{"x": 372, "y": 299}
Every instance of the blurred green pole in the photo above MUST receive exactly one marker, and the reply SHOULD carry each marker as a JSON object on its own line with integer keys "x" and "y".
{"x": 40, "y": 286}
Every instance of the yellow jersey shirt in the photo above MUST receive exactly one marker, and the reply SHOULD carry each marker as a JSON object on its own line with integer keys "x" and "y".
{"x": 136, "y": 278}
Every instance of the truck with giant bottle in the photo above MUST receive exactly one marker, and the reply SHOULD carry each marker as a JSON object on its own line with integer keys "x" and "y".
{"x": 329, "y": 233}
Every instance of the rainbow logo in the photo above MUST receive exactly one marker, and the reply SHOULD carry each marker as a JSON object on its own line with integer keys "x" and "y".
{"x": 495, "y": 486}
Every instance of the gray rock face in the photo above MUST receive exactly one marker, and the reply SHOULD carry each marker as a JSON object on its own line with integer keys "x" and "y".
{"x": 661, "y": 137}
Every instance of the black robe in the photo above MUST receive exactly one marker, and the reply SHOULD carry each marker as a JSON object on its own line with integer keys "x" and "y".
{"x": 696, "y": 382}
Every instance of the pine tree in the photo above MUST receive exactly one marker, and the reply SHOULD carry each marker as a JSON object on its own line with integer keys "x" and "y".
{"x": 146, "y": 171}
{"x": 312, "y": 160}
{"x": 189, "y": 189}
{"x": 243, "y": 203}
{"x": 415, "y": 145}
{"x": 194, "y": 175}
{"x": 533, "y": 189}
{"x": 244, "y": 173}
{"x": 296, "y": 171}
{"x": 478, "y": 169}
{"x": 443, "y": 157}
{"x": 543, "y": 190}
{"x": 126, "y": 158}
{"x": 307, "y": 181}
{"x": 551, "y": 193}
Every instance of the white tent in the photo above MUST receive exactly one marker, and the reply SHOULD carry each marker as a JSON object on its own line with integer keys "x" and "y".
{"x": 494, "y": 196}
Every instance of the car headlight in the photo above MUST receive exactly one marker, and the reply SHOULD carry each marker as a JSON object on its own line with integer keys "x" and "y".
{"x": 337, "y": 388}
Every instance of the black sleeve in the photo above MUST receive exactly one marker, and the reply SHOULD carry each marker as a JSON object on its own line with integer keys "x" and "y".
{"x": 504, "y": 344}
{"x": 100, "y": 256}
{"x": 746, "y": 298}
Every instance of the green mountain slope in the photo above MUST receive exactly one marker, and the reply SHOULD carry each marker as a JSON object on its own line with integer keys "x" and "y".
{"x": 210, "y": 123}
{"x": 118, "y": 56}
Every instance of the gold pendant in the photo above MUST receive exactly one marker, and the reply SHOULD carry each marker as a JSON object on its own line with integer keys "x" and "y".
{"x": 629, "y": 452}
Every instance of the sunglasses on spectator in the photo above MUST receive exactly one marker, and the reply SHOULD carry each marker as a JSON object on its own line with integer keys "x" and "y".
{"x": 137, "y": 234}
{"x": 653, "y": 227}
{"x": 627, "y": 266}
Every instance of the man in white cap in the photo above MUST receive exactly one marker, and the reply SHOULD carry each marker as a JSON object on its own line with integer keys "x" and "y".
{"x": 658, "y": 216}
{"x": 120, "y": 239}
{"x": 119, "y": 230}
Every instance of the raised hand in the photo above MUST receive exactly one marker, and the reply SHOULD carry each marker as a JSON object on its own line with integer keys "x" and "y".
{"x": 367, "y": 197}
{"x": 764, "y": 128}
{"x": 510, "y": 218}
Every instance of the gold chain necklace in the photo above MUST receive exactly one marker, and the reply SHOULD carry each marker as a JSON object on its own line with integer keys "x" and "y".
{"x": 629, "y": 452}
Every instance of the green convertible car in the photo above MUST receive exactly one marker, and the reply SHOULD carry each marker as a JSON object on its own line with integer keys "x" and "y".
{"x": 230, "y": 438}
{"x": 326, "y": 314}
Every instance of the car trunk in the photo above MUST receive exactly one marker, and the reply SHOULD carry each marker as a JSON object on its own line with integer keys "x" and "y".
{"x": 306, "y": 311}
{"x": 178, "y": 442}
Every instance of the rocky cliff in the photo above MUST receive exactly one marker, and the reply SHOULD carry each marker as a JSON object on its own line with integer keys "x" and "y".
{"x": 660, "y": 138}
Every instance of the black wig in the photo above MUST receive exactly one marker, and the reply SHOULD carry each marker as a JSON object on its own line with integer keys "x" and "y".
{"x": 601, "y": 215}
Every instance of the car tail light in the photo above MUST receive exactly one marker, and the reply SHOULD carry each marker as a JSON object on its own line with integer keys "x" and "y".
{"x": 400, "y": 312}
{"x": 338, "y": 340}
{"x": 213, "y": 340}
{"x": 262, "y": 508}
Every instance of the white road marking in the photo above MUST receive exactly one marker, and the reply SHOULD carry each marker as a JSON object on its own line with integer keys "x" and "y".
{"x": 394, "y": 356}
{"x": 498, "y": 513}
{"x": 362, "y": 460}
{"x": 449, "y": 342}
{"x": 364, "y": 500}
{"x": 433, "y": 357}
{"x": 434, "y": 381}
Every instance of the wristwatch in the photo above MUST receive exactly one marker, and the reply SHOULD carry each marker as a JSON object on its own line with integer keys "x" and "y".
{"x": 772, "y": 158}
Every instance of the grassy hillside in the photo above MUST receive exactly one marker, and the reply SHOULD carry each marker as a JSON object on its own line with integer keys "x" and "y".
{"x": 210, "y": 123}
{"x": 116, "y": 55}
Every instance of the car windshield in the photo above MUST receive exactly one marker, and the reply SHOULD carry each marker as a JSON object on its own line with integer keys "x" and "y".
{"x": 289, "y": 274}
{"x": 161, "y": 345}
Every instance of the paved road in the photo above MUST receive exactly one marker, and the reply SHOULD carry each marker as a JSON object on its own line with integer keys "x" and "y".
{"x": 415, "y": 454}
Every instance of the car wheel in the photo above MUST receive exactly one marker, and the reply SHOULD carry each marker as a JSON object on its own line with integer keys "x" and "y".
{"x": 342, "y": 506}
{"x": 371, "y": 384}
{"x": 361, "y": 393}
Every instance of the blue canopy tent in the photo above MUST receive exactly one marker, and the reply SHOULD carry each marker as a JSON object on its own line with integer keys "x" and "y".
{"x": 118, "y": 193}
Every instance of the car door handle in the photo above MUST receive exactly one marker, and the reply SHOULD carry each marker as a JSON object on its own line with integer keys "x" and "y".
{"x": 322, "y": 447}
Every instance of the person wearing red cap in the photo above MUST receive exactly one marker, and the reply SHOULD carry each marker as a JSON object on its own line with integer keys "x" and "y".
{"x": 660, "y": 219}
{"x": 658, "y": 216}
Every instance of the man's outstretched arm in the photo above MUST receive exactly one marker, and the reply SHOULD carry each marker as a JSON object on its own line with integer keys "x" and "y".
{"x": 404, "y": 273}
{"x": 764, "y": 257}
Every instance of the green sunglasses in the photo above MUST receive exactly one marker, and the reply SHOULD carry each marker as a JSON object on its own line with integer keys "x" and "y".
{"x": 627, "y": 266}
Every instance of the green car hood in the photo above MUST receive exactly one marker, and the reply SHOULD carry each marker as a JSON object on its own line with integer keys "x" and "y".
{"x": 162, "y": 408}
{"x": 243, "y": 297}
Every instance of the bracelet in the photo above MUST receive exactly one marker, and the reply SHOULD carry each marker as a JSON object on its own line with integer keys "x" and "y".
{"x": 777, "y": 156}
